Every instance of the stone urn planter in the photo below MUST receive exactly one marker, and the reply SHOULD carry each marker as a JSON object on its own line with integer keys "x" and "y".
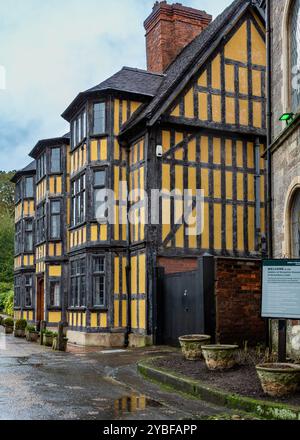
{"x": 32, "y": 336}
{"x": 63, "y": 345}
{"x": 19, "y": 333}
{"x": 8, "y": 330}
{"x": 220, "y": 357}
{"x": 48, "y": 339}
{"x": 279, "y": 380}
{"x": 8, "y": 324}
{"x": 191, "y": 346}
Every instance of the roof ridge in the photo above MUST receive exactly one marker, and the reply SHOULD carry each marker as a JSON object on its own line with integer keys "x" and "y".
{"x": 146, "y": 72}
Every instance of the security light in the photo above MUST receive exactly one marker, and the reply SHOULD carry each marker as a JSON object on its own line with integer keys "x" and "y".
{"x": 288, "y": 117}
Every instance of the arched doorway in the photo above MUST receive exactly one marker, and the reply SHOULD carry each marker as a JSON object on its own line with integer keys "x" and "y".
{"x": 295, "y": 226}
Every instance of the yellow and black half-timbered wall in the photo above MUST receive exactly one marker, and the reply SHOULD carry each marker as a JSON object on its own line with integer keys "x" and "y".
{"x": 51, "y": 225}
{"x": 24, "y": 277}
{"x": 206, "y": 115}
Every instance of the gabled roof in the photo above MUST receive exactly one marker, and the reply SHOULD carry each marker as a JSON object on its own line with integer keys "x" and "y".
{"x": 127, "y": 80}
{"x": 30, "y": 169}
{"x": 188, "y": 62}
{"x": 63, "y": 140}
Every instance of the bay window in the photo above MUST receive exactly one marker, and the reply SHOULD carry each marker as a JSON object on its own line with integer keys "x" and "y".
{"x": 29, "y": 187}
{"x": 41, "y": 223}
{"x": 78, "y": 129}
{"x": 41, "y": 166}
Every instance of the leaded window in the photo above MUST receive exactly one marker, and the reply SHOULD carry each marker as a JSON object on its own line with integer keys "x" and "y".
{"x": 41, "y": 223}
{"x": 98, "y": 281}
{"x": 28, "y": 229}
{"x": 295, "y": 56}
{"x": 18, "y": 238}
{"x": 29, "y": 193}
{"x": 28, "y": 290}
{"x": 99, "y": 195}
{"x": 99, "y": 119}
{"x": 54, "y": 293}
{"x": 78, "y": 129}
{"x": 55, "y": 160}
{"x": 55, "y": 232}
{"x": 78, "y": 200}
{"x": 78, "y": 281}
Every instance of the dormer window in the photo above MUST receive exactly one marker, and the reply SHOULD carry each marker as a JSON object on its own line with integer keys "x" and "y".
{"x": 78, "y": 129}
{"x": 99, "y": 120}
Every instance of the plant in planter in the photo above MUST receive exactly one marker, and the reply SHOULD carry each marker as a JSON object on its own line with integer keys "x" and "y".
{"x": 191, "y": 346}
{"x": 279, "y": 380}
{"x": 48, "y": 338}
{"x": 20, "y": 327}
{"x": 220, "y": 357}
{"x": 8, "y": 324}
{"x": 31, "y": 334}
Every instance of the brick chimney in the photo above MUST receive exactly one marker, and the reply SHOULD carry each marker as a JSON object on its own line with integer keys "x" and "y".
{"x": 170, "y": 28}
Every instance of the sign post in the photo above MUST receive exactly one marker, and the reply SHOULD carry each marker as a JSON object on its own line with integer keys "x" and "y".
{"x": 281, "y": 296}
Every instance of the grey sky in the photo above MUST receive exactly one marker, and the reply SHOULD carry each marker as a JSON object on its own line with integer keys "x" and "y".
{"x": 52, "y": 50}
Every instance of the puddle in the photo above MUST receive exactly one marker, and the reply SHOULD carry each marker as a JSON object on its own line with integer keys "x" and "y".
{"x": 133, "y": 403}
{"x": 112, "y": 351}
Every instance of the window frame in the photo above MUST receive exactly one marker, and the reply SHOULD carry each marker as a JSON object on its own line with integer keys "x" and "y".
{"x": 98, "y": 187}
{"x": 28, "y": 232}
{"x": 104, "y": 131}
{"x": 79, "y": 128}
{"x": 79, "y": 277}
{"x": 41, "y": 166}
{"x": 60, "y": 160}
{"x": 17, "y": 291}
{"x": 78, "y": 200}
{"x": 55, "y": 280}
{"x": 41, "y": 225}
{"x": 26, "y": 196}
{"x": 30, "y": 286}
{"x": 55, "y": 215}
{"x": 95, "y": 274}
{"x": 18, "y": 238}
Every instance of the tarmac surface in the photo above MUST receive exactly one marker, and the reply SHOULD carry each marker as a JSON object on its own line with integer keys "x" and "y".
{"x": 37, "y": 383}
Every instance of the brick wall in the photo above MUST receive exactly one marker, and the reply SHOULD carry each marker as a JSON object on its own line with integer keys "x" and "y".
{"x": 169, "y": 28}
{"x": 238, "y": 301}
{"x": 177, "y": 265}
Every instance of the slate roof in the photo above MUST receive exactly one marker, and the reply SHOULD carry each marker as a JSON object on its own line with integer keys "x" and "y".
{"x": 197, "y": 50}
{"x": 29, "y": 169}
{"x": 128, "y": 79}
{"x": 65, "y": 139}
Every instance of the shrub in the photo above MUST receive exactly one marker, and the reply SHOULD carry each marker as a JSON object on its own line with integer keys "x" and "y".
{"x": 30, "y": 329}
{"x": 9, "y": 303}
{"x": 48, "y": 333}
{"x": 21, "y": 324}
{"x": 8, "y": 322}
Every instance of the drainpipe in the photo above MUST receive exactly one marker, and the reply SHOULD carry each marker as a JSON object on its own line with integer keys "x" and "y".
{"x": 269, "y": 130}
{"x": 257, "y": 194}
{"x": 128, "y": 265}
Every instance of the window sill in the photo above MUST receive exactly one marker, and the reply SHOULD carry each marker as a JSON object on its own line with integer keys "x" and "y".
{"x": 99, "y": 135}
{"x": 80, "y": 225}
{"x": 80, "y": 144}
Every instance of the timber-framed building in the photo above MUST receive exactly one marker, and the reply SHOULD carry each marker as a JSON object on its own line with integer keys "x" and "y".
{"x": 201, "y": 106}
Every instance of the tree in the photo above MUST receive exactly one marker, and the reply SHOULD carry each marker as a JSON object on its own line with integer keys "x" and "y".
{"x": 7, "y": 191}
{"x": 6, "y": 227}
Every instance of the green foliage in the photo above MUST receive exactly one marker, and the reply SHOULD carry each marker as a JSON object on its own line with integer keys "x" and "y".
{"x": 48, "y": 333}
{"x": 30, "y": 329}
{"x": 9, "y": 303}
{"x": 7, "y": 190}
{"x": 7, "y": 227}
{"x": 8, "y": 322}
{"x": 21, "y": 324}
{"x": 5, "y": 289}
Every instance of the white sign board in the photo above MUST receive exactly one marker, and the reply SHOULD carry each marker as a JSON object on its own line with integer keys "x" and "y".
{"x": 281, "y": 289}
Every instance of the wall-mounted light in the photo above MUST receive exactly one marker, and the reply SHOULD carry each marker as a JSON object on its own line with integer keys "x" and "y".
{"x": 287, "y": 117}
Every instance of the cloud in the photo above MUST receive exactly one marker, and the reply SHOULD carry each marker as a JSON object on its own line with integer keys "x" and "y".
{"x": 53, "y": 50}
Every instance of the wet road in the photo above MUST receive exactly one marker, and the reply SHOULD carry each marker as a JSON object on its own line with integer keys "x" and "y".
{"x": 39, "y": 384}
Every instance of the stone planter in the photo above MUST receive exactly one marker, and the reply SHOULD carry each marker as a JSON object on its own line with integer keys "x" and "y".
{"x": 279, "y": 380}
{"x": 32, "y": 336}
{"x": 19, "y": 333}
{"x": 63, "y": 346}
{"x": 191, "y": 346}
{"x": 8, "y": 330}
{"x": 220, "y": 357}
{"x": 48, "y": 340}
